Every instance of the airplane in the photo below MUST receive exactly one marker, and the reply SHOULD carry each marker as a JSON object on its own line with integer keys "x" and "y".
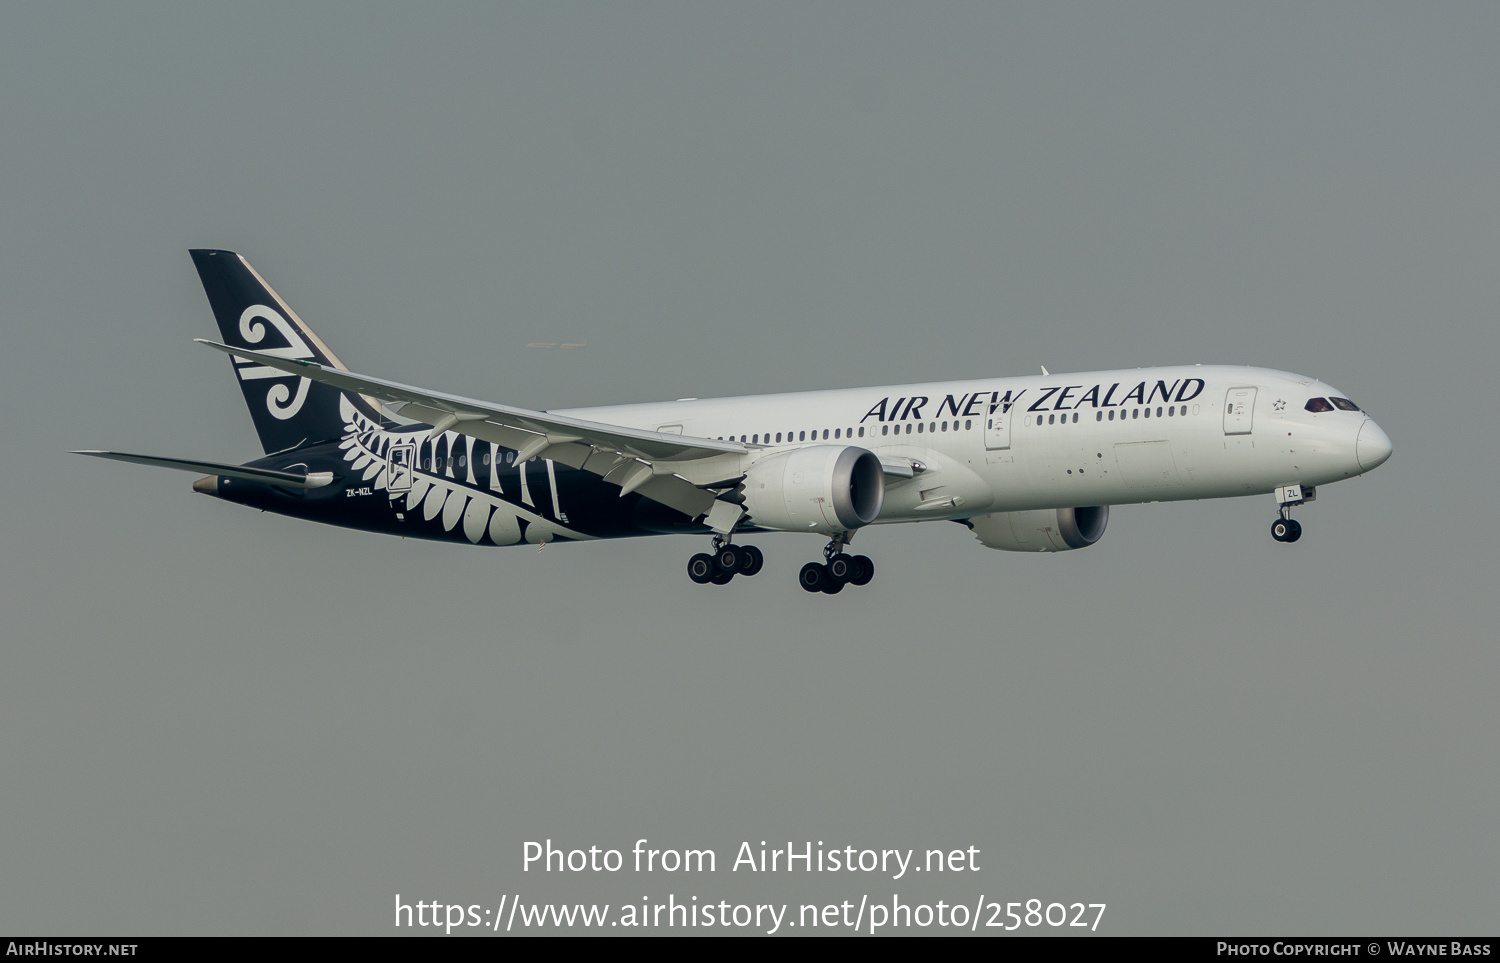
{"x": 1027, "y": 464}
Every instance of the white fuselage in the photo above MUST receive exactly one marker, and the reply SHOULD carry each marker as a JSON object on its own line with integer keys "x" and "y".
{"x": 1054, "y": 441}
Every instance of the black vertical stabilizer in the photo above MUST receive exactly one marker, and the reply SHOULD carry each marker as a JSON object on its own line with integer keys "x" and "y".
{"x": 288, "y": 411}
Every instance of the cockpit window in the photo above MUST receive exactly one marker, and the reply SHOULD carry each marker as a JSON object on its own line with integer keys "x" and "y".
{"x": 1346, "y": 404}
{"x": 1318, "y": 404}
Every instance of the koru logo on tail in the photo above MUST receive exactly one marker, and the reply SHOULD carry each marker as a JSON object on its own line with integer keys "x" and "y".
{"x": 279, "y": 400}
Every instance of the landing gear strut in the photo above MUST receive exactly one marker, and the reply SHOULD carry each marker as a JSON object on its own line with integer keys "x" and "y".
{"x": 725, "y": 562}
{"x": 838, "y": 570}
{"x": 1285, "y": 528}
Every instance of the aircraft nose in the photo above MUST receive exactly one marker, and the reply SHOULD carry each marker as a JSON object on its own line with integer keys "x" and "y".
{"x": 1372, "y": 447}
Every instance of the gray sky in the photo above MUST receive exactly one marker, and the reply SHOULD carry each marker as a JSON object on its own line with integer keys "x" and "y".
{"x": 218, "y": 721}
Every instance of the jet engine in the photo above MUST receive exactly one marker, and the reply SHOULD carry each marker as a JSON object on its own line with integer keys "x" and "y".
{"x": 820, "y": 488}
{"x": 1043, "y": 530}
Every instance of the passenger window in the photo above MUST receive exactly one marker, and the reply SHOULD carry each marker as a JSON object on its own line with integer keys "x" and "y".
{"x": 1345, "y": 404}
{"x": 1075, "y": 417}
{"x": 885, "y": 429}
{"x": 1318, "y": 405}
{"x": 1111, "y": 414}
{"x": 920, "y": 426}
{"x": 825, "y": 434}
{"x": 836, "y": 432}
{"x": 1135, "y": 412}
{"x": 1158, "y": 412}
{"x": 861, "y": 431}
{"x": 1098, "y": 416}
{"x": 908, "y": 428}
{"x": 1148, "y": 412}
{"x": 968, "y": 423}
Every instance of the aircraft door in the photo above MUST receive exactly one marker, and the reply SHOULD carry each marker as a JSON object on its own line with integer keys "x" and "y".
{"x": 398, "y": 467}
{"x": 997, "y": 427}
{"x": 1239, "y": 409}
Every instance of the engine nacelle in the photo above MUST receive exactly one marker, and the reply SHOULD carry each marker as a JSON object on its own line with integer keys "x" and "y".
{"x": 820, "y": 488}
{"x": 1043, "y": 530}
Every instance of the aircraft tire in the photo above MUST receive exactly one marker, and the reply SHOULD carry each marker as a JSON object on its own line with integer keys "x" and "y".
{"x": 813, "y": 576}
{"x": 751, "y": 560}
{"x": 722, "y": 578}
{"x": 1280, "y": 529}
{"x": 727, "y": 559}
{"x": 864, "y": 570}
{"x": 701, "y": 568}
{"x": 841, "y": 568}
{"x": 1294, "y": 530}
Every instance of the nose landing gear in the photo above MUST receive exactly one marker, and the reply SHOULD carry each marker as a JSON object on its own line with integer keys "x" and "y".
{"x": 1284, "y": 529}
{"x": 725, "y": 563}
{"x": 840, "y": 569}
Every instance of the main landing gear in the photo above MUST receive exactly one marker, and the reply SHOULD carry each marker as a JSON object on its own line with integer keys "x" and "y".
{"x": 840, "y": 569}
{"x": 830, "y": 576}
{"x": 724, "y": 563}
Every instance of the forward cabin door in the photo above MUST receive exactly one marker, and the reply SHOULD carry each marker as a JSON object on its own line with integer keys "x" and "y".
{"x": 997, "y": 427}
{"x": 1239, "y": 409}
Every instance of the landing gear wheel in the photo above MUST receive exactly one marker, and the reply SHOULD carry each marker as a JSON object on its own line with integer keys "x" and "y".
{"x": 841, "y": 568}
{"x": 701, "y": 568}
{"x": 1282, "y": 530}
{"x": 727, "y": 559}
{"x": 833, "y": 587}
{"x": 813, "y": 577}
{"x": 1294, "y": 530}
{"x": 864, "y": 570}
{"x": 721, "y": 578}
{"x": 751, "y": 560}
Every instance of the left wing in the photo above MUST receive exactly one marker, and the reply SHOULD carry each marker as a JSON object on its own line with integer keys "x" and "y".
{"x": 268, "y": 476}
{"x": 633, "y": 458}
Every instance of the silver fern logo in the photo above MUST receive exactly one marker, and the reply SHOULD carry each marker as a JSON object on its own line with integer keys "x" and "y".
{"x": 391, "y": 462}
{"x": 279, "y": 400}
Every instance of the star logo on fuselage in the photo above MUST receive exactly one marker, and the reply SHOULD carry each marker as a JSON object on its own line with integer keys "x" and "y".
{"x": 1280, "y": 405}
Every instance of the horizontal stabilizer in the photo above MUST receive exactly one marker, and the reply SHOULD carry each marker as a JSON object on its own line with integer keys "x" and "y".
{"x": 287, "y": 479}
